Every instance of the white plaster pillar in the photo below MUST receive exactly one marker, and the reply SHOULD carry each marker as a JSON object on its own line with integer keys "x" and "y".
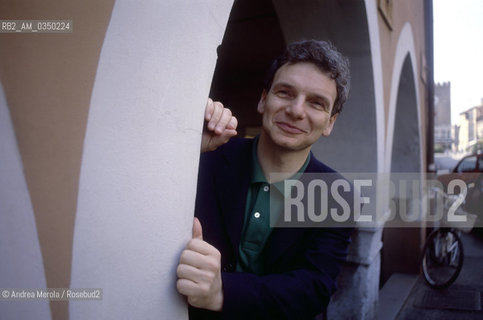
{"x": 141, "y": 152}
{"x": 21, "y": 265}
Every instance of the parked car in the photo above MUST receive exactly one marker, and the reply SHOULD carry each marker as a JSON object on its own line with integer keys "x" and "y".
{"x": 470, "y": 170}
{"x": 444, "y": 164}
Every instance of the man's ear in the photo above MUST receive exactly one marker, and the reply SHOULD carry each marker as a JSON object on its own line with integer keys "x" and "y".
{"x": 261, "y": 102}
{"x": 329, "y": 128}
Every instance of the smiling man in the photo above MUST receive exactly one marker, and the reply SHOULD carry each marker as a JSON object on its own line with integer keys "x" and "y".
{"x": 237, "y": 266}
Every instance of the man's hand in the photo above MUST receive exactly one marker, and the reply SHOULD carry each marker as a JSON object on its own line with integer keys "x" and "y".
{"x": 220, "y": 126}
{"x": 199, "y": 274}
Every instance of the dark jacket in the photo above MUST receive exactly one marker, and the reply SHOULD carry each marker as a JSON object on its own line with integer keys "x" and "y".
{"x": 301, "y": 263}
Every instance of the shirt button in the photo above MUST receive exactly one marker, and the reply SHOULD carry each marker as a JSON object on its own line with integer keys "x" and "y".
{"x": 266, "y": 188}
{"x": 257, "y": 215}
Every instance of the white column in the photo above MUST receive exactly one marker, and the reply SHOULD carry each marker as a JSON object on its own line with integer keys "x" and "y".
{"x": 141, "y": 151}
{"x": 21, "y": 265}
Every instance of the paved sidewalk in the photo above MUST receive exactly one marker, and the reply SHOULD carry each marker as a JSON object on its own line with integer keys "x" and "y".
{"x": 462, "y": 300}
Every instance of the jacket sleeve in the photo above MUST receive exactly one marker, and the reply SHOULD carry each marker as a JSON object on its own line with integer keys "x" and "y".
{"x": 301, "y": 293}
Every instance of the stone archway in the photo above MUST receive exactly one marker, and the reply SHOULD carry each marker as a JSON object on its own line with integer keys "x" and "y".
{"x": 406, "y": 148}
{"x": 345, "y": 24}
{"x": 403, "y": 152}
{"x": 401, "y": 243}
{"x": 258, "y": 30}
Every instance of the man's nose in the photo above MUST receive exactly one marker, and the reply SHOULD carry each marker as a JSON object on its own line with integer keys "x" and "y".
{"x": 296, "y": 108}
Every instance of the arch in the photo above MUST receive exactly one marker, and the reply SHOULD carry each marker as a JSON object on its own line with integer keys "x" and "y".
{"x": 375, "y": 42}
{"x": 404, "y": 154}
{"x": 247, "y": 50}
{"x": 405, "y": 52}
{"x": 345, "y": 24}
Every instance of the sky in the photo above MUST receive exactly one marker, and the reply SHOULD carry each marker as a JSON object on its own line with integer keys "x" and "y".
{"x": 458, "y": 51}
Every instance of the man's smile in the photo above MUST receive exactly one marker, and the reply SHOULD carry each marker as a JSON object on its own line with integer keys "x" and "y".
{"x": 289, "y": 128}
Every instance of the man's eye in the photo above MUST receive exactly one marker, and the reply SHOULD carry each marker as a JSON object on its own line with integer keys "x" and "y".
{"x": 318, "y": 105}
{"x": 283, "y": 93}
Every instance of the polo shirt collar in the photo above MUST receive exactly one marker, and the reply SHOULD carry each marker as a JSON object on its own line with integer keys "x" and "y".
{"x": 257, "y": 173}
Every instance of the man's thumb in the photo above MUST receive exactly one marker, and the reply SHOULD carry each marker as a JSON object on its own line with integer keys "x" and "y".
{"x": 197, "y": 230}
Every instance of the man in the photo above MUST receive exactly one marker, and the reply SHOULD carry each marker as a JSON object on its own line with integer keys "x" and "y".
{"x": 238, "y": 267}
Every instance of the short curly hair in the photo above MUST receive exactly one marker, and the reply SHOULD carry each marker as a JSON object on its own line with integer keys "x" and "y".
{"x": 326, "y": 57}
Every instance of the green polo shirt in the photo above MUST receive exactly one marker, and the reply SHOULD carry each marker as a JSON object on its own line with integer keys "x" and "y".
{"x": 256, "y": 227}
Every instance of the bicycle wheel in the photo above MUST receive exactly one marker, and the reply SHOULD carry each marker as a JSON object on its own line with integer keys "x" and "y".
{"x": 442, "y": 258}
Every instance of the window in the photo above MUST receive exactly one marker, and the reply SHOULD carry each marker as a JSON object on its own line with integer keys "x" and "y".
{"x": 480, "y": 164}
{"x": 467, "y": 165}
{"x": 471, "y": 131}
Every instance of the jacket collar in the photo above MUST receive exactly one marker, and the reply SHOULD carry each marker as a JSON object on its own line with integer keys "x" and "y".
{"x": 233, "y": 187}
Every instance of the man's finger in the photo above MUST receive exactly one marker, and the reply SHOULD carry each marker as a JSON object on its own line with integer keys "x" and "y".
{"x": 227, "y": 135}
{"x": 233, "y": 123}
{"x": 187, "y": 287}
{"x": 209, "y": 109}
{"x": 218, "y": 140}
{"x": 224, "y": 121}
{"x": 188, "y": 272}
{"x": 216, "y": 115}
{"x": 192, "y": 258}
{"x": 202, "y": 247}
{"x": 197, "y": 232}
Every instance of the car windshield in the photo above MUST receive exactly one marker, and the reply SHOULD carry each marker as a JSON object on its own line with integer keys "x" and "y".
{"x": 467, "y": 165}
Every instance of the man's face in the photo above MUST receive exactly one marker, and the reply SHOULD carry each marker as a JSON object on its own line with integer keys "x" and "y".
{"x": 296, "y": 111}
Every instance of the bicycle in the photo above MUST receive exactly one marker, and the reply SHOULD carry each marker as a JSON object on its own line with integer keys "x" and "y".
{"x": 443, "y": 257}
{"x": 443, "y": 253}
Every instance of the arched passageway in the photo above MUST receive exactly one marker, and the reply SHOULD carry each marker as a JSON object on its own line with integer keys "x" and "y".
{"x": 258, "y": 30}
{"x": 399, "y": 243}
